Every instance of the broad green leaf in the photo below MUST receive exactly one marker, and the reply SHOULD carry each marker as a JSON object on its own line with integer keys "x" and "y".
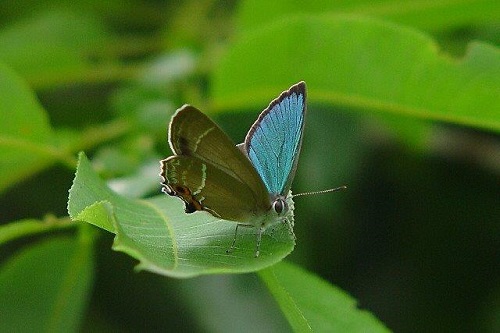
{"x": 166, "y": 240}
{"x": 437, "y": 14}
{"x": 25, "y": 134}
{"x": 365, "y": 64}
{"x": 21, "y": 112}
{"x": 28, "y": 144}
{"x": 45, "y": 288}
{"x": 313, "y": 305}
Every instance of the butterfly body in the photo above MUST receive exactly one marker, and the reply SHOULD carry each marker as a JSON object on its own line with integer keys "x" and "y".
{"x": 249, "y": 183}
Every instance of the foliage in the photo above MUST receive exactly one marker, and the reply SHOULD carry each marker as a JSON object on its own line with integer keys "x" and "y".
{"x": 403, "y": 106}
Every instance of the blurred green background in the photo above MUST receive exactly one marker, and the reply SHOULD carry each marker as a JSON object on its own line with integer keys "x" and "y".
{"x": 403, "y": 108}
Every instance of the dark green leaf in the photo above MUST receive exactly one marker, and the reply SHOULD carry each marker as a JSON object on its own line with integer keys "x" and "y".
{"x": 313, "y": 305}
{"x": 45, "y": 288}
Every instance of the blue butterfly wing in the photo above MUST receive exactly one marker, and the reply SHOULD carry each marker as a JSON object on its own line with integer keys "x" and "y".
{"x": 274, "y": 140}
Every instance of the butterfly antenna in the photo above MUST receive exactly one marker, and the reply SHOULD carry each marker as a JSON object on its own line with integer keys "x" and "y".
{"x": 344, "y": 187}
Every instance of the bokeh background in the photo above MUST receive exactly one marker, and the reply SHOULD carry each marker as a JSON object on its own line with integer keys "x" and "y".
{"x": 415, "y": 238}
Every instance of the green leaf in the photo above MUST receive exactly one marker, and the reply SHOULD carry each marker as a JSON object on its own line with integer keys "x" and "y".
{"x": 28, "y": 144}
{"x": 166, "y": 240}
{"x": 312, "y": 305}
{"x": 25, "y": 134}
{"x": 437, "y": 14}
{"x": 21, "y": 112}
{"x": 364, "y": 64}
{"x": 45, "y": 288}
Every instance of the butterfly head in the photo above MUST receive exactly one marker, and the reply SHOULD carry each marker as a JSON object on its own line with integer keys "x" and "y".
{"x": 281, "y": 209}
{"x": 281, "y": 212}
{"x": 279, "y": 205}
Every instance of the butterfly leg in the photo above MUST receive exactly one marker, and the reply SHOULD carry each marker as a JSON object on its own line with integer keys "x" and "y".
{"x": 231, "y": 248}
{"x": 259, "y": 238}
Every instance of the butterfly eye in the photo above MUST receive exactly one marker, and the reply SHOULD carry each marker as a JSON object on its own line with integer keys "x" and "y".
{"x": 279, "y": 205}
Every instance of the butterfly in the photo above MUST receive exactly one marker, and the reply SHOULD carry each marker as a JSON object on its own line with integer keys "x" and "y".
{"x": 248, "y": 183}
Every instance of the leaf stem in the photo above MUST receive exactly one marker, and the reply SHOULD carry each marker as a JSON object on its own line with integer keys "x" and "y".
{"x": 23, "y": 228}
{"x": 40, "y": 149}
{"x": 99, "y": 74}
{"x": 95, "y": 135}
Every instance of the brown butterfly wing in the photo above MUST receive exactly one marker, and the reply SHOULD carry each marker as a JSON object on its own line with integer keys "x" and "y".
{"x": 204, "y": 187}
{"x": 209, "y": 172}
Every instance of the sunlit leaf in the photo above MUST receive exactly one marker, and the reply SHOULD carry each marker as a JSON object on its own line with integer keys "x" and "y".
{"x": 436, "y": 14}
{"x": 25, "y": 134}
{"x": 362, "y": 64}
